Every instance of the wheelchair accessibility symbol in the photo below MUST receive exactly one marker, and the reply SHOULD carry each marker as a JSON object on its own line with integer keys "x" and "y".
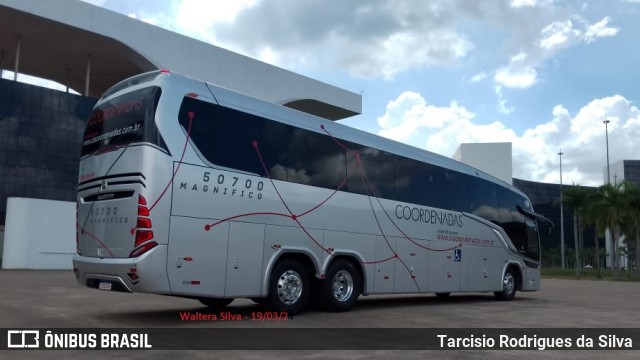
{"x": 457, "y": 255}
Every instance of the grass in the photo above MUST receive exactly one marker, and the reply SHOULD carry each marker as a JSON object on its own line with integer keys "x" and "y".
{"x": 589, "y": 274}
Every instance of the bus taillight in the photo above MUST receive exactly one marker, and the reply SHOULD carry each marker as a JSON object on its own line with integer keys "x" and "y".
{"x": 143, "y": 231}
{"x": 143, "y": 249}
{"x": 143, "y": 223}
{"x": 143, "y": 210}
{"x": 142, "y": 236}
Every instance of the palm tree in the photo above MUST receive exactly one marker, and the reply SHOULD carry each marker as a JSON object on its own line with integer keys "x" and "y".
{"x": 633, "y": 221}
{"x": 592, "y": 217}
{"x": 612, "y": 207}
{"x": 577, "y": 198}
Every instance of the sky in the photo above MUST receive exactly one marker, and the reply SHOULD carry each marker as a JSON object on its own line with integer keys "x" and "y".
{"x": 541, "y": 74}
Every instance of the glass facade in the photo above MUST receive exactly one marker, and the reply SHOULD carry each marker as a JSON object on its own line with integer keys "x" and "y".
{"x": 632, "y": 171}
{"x": 545, "y": 199}
{"x": 40, "y": 133}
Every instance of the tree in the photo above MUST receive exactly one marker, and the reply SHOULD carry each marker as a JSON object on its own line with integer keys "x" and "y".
{"x": 632, "y": 223}
{"x": 612, "y": 209}
{"x": 577, "y": 198}
{"x": 592, "y": 216}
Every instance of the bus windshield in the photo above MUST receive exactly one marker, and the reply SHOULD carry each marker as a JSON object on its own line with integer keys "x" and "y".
{"x": 124, "y": 120}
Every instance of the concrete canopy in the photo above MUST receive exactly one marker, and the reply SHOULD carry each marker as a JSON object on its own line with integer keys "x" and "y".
{"x": 90, "y": 49}
{"x": 59, "y": 52}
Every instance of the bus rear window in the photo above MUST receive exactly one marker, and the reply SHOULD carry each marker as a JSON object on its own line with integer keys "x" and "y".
{"x": 127, "y": 119}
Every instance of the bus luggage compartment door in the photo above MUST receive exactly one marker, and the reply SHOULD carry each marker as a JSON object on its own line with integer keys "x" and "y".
{"x": 445, "y": 267}
{"x": 244, "y": 264}
{"x": 197, "y": 259}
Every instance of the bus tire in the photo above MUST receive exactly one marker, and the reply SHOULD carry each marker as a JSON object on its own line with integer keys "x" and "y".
{"x": 289, "y": 287}
{"x": 341, "y": 286}
{"x": 509, "y": 286}
{"x": 443, "y": 294}
{"x": 215, "y": 303}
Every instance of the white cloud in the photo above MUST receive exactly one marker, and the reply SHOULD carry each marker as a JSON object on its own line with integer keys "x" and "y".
{"x": 502, "y": 102}
{"x": 581, "y": 137}
{"x": 148, "y": 20}
{"x": 517, "y": 74}
{"x": 196, "y": 16}
{"x": 530, "y": 3}
{"x": 96, "y": 2}
{"x": 376, "y": 39}
{"x": 599, "y": 29}
{"x": 381, "y": 38}
{"x": 478, "y": 77}
{"x": 521, "y": 3}
{"x": 558, "y": 34}
{"x": 409, "y": 114}
{"x": 522, "y": 70}
{"x": 405, "y": 50}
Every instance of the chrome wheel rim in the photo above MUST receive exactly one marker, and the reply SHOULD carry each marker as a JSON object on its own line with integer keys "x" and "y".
{"x": 508, "y": 283}
{"x": 289, "y": 287}
{"x": 342, "y": 285}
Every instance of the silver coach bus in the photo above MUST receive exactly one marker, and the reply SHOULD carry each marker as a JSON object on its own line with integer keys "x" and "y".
{"x": 192, "y": 190}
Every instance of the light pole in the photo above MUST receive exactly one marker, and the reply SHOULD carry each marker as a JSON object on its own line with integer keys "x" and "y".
{"x": 561, "y": 216}
{"x": 606, "y": 132}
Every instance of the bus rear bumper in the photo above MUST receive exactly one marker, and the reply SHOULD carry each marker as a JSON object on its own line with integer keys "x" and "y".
{"x": 146, "y": 273}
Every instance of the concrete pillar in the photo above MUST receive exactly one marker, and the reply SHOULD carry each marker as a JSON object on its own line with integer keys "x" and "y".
{"x": 87, "y": 76}
{"x": 17, "y": 63}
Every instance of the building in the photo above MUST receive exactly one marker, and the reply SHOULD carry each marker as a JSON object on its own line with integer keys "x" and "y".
{"x": 628, "y": 170}
{"x": 476, "y": 155}
{"x": 89, "y": 49}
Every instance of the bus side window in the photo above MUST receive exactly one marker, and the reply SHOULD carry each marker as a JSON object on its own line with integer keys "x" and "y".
{"x": 225, "y": 137}
{"x": 374, "y": 175}
{"x": 414, "y": 181}
{"x": 483, "y": 199}
{"x": 452, "y": 190}
{"x": 314, "y": 160}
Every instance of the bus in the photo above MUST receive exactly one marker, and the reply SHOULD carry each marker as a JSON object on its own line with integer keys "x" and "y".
{"x": 192, "y": 190}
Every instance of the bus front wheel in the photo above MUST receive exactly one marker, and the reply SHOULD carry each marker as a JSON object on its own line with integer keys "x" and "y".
{"x": 509, "y": 286}
{"x": 289, "y": 287}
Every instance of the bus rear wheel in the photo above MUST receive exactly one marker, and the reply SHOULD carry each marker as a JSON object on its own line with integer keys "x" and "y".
{"x": 341, "y": 286}
{"x": 509, "y": 285}
{"x": 289, "y": 287}
{"x": 215, "y": 303}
